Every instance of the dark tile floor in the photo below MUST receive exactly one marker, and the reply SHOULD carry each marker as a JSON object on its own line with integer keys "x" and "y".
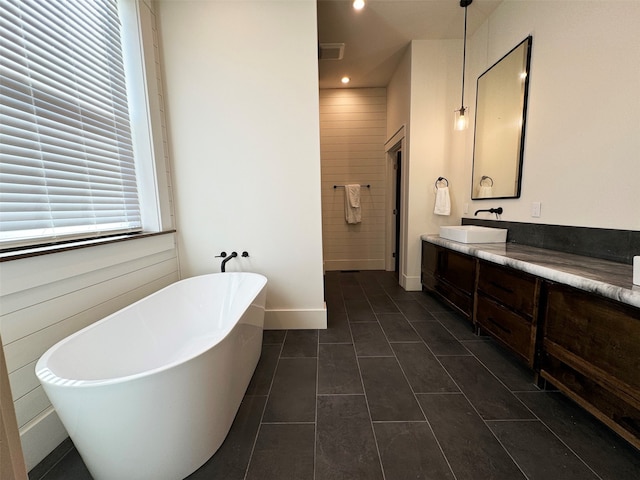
{"x": 398, "y": 387}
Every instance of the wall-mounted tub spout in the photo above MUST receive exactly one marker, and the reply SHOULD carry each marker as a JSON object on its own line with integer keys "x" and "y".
{"x": 226, "y": 259}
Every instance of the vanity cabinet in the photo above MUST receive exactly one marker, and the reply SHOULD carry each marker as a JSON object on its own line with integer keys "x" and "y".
{"x": 590, "y": 350}
{"x": 506, "y": 307}
{"x": 580, "y": 342}
{"x": 451, "y": 275}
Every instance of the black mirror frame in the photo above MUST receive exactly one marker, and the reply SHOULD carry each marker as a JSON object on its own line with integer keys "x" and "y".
{"x": 529, "y": 42}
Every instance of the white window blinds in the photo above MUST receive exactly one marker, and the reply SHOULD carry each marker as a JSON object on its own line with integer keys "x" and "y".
{"x": 66, "y": 154}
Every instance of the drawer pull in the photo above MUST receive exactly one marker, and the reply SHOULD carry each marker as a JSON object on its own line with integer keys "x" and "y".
{"x": 501, "y": 287}
{"x": 500, "y": 326}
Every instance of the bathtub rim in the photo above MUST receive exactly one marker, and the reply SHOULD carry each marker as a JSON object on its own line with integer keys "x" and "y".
{"x": 46, "y": 376}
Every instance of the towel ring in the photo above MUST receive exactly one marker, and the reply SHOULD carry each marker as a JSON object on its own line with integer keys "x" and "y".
{"x": 486, "y": 177}
{"x": 442, "y": 179}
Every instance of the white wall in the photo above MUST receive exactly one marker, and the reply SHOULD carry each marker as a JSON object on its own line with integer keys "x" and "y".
{"x": 352, "y": 136}
{"x": 431, "y": 73}
{"x": 242, "y": 102}
{"x": 582, "y": 144}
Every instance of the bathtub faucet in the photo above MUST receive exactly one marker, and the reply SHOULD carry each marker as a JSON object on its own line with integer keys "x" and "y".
{"x": 226, "y": 259}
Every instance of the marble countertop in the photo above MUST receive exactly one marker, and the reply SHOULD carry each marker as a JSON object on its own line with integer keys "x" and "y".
{"x": 609, "y": 279}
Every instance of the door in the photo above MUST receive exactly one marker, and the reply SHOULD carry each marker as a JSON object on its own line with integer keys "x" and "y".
{"x": 396, "y": 211}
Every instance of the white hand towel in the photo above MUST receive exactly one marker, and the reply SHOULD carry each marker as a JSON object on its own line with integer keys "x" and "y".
{"x": 352, "y": 211}
{"x": 485, "y": 191}
{"x": 443, "y": 202}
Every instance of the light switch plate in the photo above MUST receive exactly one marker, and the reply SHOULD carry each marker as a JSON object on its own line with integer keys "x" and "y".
{"x": 535, "y": 209}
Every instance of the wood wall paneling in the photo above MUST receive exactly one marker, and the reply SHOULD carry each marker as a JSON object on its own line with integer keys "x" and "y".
{"x": 39, "y": 310}
{"x": 352, "y": 136}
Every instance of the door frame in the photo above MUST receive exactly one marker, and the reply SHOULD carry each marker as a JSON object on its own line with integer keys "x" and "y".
{"x": 392, "y": 146}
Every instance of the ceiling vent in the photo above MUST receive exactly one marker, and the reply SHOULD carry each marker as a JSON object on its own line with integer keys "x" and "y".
{"x": 331, "y": 51}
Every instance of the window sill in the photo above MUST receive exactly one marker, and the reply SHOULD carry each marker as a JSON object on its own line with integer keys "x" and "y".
{"x": 65, "y": 247}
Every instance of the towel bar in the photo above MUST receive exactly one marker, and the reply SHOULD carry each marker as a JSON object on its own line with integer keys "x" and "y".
{"x": 342, "y": 186}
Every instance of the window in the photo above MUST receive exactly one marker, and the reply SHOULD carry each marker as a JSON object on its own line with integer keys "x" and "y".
{"x": 66, "y": 152}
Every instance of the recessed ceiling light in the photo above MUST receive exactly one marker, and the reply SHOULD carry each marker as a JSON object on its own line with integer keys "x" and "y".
{"x": 345, "y": 80}
{"x": 358, "y": 4}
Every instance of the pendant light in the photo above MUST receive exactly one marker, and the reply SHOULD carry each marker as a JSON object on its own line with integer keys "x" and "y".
{"x": 461, "y": 120}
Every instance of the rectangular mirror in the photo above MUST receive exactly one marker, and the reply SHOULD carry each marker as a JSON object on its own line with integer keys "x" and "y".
{"x": 501, "y": 111}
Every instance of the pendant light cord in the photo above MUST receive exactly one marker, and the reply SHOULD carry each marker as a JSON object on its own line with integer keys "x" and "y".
{"x": 464, "y": 56}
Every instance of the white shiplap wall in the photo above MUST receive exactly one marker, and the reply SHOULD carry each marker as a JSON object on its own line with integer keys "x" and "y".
{"x": 44, "y": 299}
{"x": 352, "y": 136}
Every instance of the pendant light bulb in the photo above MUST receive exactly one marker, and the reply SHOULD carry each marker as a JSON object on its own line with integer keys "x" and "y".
{"x": 461, "y": 119}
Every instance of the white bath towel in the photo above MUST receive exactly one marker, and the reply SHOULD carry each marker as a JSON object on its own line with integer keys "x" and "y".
{"x": 485, "y": 191}
{"x": 443, "y": 202}
{"x": 352, "y": 211}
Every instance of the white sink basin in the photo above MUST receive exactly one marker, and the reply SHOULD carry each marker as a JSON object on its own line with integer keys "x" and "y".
{"x": 474, "y": 234}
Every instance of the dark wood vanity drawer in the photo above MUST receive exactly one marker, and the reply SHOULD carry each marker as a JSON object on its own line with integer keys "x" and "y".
{"x": 458, "y": 269}
{"x": 514, "y": 289}
{"x": 450, "y": 274}
{"x": 457, "y": 298}
{"x": 591, "y": 351}
{"x": 620, "y": 413}
{"x": 598, "y": 335}
{"x": 512, "y": 330}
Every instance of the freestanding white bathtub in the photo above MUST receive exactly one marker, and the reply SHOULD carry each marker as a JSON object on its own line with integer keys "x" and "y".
{"x": 150, "y": 391}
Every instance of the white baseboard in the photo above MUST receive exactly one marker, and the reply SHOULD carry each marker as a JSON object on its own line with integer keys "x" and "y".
{"x": 41, "y": 436}
{"x": 412, "y": 284}
{"x": 363, "y": 264}
{"x": 295, "y": 319}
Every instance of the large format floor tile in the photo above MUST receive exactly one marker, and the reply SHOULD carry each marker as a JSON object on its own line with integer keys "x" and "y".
{"x": 603, "y": 450}
{"x": 283, "y": 452}
{"x": 293, "y": 393}
{"x": 439, "y": 339}
{"x": 370, "y": 340}
{"x": 540, "y": 454}
{"x": 231, "y": 461}
{"x": 338, "y": 370}
{"x": 510, "y": 370}
{"x": 410, "y": 450}
{"x": 389, "y": 396}
{"x": 397, "y": 328}
{"x": 469, "y": 445}
{"x": 423, "y": 371}
{"x": 345, "y": 447}
{"x": 489, "y": 396}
